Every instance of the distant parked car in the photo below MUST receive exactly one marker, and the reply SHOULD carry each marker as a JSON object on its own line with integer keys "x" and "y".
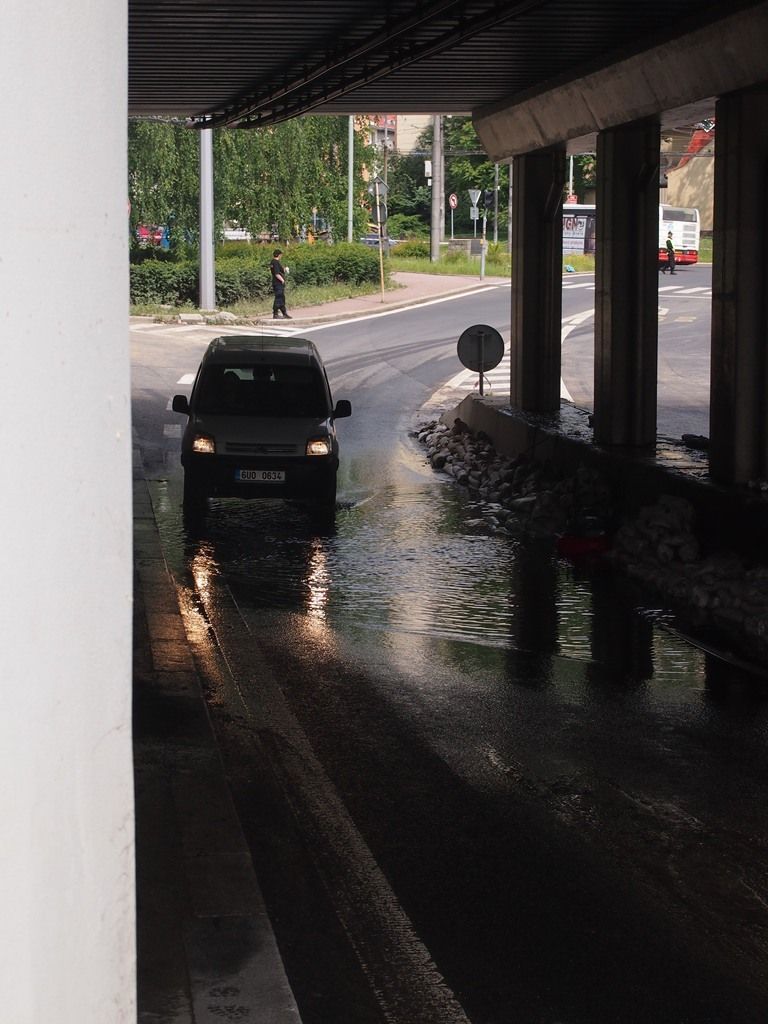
{"x": 261, "y": 424}
{"x": 235, "y": 234}
{"x": 374, "y": 241}
{"x": 150, "y": 234}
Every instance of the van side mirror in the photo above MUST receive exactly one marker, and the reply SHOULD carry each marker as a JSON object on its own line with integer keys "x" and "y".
{"x": 180, "y": 404}
{"x": 343, "y": 409}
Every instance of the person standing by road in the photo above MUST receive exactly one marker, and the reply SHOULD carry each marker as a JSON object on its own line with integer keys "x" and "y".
{"x": 278, "y": 285}
{"x": 670, "y": 255}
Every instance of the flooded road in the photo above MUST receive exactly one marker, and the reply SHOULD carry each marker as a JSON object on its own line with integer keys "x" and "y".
{"x": 501, "y": 788}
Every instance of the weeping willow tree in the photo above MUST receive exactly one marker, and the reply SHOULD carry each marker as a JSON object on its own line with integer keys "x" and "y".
{"x": 284, "y": 177}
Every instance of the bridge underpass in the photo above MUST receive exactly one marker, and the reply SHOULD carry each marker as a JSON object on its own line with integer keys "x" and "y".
{"x": 70, "y": 76}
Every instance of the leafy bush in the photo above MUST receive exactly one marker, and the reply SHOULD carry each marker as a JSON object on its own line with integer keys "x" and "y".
{"x": 156, "y": 281}
{"x": 411, "y": 250}
{"x": 239, "y": 279}
{"x": 456, "y": 256}
{"x": 355, "y": 263}
{"x": 243, "y": 274}
{"x": 403, "y": 225}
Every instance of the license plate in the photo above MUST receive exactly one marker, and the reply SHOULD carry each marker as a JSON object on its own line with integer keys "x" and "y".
{"x": 260, "y": 476}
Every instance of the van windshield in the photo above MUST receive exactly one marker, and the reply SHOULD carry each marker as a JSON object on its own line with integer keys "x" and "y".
{"x": 263, "y": 390}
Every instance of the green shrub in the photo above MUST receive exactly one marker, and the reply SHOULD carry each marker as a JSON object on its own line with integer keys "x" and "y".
{"x": 355, "y": 263}
{"x": 410, "y": 226}
{"x": 240, "y": 279}
{"x": 243, "y": 274}
{"x": 411, "y": 250}
{"x": 456, "y": 256}
{"x": 157, "y": 281}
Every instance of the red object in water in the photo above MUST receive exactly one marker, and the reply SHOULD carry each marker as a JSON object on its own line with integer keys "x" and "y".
{"x": 573, "y": 545}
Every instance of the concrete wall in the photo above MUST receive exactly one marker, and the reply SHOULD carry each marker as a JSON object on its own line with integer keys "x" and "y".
{"x": 693, "y": 184}
{"x": 66, "y": 797}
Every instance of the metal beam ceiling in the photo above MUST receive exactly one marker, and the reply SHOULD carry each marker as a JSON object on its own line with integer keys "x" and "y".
{"x": 252, "y": 63}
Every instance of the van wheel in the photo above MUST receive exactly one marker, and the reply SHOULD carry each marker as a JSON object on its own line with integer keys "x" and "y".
{"x": 194, "y": 496}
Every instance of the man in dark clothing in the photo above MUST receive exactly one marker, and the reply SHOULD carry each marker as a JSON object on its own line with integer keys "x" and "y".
{"x": 278, "y": 285}
{"x": 670, "y": 255}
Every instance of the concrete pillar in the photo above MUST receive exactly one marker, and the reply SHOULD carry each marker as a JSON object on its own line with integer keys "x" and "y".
{"x": 626, "y": 284}
{"x": 207, "y": 243}
{"x": 537, "y": 271}
{"x": 739, "y": 375}
{"x": 66, "y": 781}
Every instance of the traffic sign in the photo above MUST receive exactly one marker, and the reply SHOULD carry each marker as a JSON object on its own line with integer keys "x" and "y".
{"x": 453, "y": 200}
{"x": 474, "y": 213}
{"x": 378, "y": 186}
{"x": 474, "y": 195}
{"x": 480, "y": 348}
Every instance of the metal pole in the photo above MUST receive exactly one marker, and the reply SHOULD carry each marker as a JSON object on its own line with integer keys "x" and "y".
{"x": 481, "y": 338}
{"x": 207, "y": 271}
{"x": 381, "y": 236}
{"x": 437, "y": 149}
{"x": 509, "y": 211}
{"x": 451, "y": 223}
{"x": 482, "y": 252}
{"x": 495, "y": 203}
{"x": 351, "y": 178}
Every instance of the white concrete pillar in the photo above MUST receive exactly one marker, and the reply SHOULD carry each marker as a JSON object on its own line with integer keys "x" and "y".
{"x": 66, "y": 792}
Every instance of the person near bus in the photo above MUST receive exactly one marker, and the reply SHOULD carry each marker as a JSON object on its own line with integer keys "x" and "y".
{"x": 670, "y": 255}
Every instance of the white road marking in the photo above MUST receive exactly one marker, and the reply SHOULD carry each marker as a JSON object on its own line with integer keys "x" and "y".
{"x": 188, "y": 378}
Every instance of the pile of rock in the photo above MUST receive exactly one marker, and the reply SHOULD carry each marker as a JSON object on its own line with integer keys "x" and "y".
{"x": 519, "y": 493}
{"x": 658, "y": 545}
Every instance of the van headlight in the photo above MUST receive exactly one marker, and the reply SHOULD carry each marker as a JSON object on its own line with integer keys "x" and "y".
{"x": 204, "y": 444}
{"x": 319, "y": 446}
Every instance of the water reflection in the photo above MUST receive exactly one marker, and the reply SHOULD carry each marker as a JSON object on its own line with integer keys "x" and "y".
{"x": 414, "y": 566}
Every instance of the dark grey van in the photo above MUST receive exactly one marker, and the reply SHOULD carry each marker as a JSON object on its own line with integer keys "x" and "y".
{"x": 261, "y": 423}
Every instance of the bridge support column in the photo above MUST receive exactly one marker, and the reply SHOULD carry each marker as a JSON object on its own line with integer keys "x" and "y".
{"x": 626, "y": 284}
{"x": 537, "y": 248}
{"x": 739, "y": 375}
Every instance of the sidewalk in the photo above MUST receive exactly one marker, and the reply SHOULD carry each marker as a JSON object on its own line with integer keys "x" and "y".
{"x": 413, "y": 289}
{"x": 206, "y": 950}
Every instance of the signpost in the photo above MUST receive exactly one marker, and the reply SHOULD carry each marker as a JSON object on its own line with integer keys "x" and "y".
{"x": 480, "y": 348}
{"x": 378, "y": 189}
{"x": 474, "y": 195}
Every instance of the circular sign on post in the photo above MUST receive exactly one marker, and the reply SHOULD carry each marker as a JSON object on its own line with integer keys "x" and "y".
{"x": 480, "y": 348}
{"x": 453, "y": 200}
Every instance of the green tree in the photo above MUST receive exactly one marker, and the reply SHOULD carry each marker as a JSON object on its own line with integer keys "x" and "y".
{"x": 466, "y": 166}
{"x": 262, "y": 177}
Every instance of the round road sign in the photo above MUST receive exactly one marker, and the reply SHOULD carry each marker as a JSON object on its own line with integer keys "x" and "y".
{"x": 480, "y": 348}
{"x": 453, "y": 200}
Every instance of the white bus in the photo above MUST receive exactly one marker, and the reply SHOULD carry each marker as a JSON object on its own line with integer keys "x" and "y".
{"x": 684, "y": 223}
{"x": 579, "y": 231}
